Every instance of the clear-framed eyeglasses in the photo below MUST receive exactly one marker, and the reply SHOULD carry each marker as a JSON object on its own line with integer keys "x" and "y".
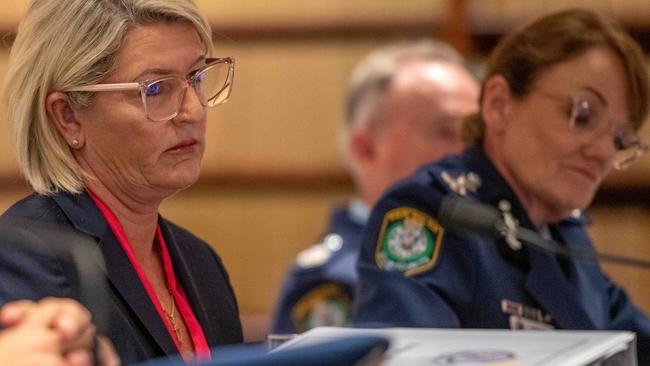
{"x": 162, "y": 97}
{"x": 587, "y": 117}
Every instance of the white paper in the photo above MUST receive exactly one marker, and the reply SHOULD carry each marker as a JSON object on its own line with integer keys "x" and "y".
{"x": 420, "y": 346}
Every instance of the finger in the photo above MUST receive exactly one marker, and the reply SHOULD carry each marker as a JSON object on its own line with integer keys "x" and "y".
{"x": 85, "y": 340}
{"x": 44, "y": 360}
{"x": 106, "y": 355}
{"x": 14, "y": 312}
{"x": 80, "y": 357}
{"x": 73, "y": 319}
{"x": 41, "y": 314}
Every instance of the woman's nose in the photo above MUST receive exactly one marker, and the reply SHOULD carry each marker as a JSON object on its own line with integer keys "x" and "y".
{"x": 191, "y": 109}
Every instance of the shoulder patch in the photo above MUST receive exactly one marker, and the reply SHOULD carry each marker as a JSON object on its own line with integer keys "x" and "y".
{"x": 329, "y": 304}
{"x": 409, "y": 241}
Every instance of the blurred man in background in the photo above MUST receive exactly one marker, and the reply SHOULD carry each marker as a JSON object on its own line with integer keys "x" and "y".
{"x": 404, "y": 107}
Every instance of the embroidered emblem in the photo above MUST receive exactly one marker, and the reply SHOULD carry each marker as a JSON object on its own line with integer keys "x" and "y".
{"x": 320, "y": 253}
{"x": 329, "y": 304}
{"x": 409, "y": 241}
{"x": 463, "y": 183}
{"x": 526, "y": 317}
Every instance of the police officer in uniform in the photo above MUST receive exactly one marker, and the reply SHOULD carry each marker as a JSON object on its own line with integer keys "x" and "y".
{"x": 561, "y": 104}
{"x": 404, "y": 107}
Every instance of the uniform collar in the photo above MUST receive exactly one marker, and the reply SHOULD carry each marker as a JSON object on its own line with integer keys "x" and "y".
{"x": 494, "y": 187}
{"x": 492, "y": 190}
{"x": 545, "y": 280}
{"x": 358, "y": 211}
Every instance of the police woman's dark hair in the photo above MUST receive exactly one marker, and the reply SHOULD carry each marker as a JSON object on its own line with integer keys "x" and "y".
{"x": 555, "y": 38}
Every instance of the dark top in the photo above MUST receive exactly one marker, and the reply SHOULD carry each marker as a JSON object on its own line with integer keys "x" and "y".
{"x": 136, "y": 329}
{"x": 413, "y": 272}
{"x": 323, "y": 276}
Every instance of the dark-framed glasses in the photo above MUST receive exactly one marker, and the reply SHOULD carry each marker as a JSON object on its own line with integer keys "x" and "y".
{"x": 587, "y": 117}
{"x": 162, "y": 97}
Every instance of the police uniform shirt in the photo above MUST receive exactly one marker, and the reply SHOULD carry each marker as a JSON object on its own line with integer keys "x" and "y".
{"x": 414, "y": 272}
{"x": 319, "y": 287}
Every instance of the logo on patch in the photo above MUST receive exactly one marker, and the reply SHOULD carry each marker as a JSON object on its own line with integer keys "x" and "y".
{"x": 409, "y": 241}
{"x": 329, "y": 304}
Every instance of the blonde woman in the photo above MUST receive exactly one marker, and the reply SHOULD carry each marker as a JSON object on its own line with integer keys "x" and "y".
{"x": 107, "y": 102}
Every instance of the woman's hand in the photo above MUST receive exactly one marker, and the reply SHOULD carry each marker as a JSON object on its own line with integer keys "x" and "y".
{"x": 53, "y": 331}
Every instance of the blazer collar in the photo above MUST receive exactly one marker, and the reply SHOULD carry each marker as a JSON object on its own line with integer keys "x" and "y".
{"x": 193, "y": 289}
{"x": 86, "y": 217}
{"x": 82, "y": 213}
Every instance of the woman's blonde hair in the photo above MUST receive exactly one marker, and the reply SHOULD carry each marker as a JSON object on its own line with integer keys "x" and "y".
{"x": 63, "y": 44}
{"x": 555, "y": 38}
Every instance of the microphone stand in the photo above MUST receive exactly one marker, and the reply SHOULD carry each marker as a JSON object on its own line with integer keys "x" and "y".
{"x": 533, "y": 238}
{"x": 463, "y": 214}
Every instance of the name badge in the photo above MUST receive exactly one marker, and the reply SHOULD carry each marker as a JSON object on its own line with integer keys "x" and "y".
{"x": 524, "y": 317}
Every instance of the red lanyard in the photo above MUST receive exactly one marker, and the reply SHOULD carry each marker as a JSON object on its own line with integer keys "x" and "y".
{"x": 199, "y": 342}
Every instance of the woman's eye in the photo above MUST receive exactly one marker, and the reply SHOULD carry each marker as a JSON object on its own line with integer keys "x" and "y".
{"x": 582, "y": 115}
{"x": 154, "y": 89}
{"x": 199, "y": 76}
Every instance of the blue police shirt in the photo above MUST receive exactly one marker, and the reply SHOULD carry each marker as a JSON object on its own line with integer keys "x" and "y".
{"x": 414, "y": 272}
{"x": 319, "y": 287}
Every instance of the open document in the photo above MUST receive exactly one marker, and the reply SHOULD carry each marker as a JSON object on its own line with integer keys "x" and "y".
{"x": 419, "y": 346}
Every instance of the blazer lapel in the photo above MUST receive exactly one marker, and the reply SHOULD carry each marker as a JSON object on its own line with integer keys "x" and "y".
{"x": 548, "y": 285}
{"x": 191, "y": 287}
{"x": 126, "y": 282}
{"x": 86, "y": 217}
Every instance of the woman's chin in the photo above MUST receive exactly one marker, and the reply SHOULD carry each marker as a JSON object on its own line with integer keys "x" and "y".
{"x": 179, "y": 180}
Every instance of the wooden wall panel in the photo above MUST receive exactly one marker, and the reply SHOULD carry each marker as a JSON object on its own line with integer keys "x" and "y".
{"x": 286, "y": 106}
{"x": 317, "y": 14}
{"x": 488, "y": 16}
{"x": 625, "y": 230}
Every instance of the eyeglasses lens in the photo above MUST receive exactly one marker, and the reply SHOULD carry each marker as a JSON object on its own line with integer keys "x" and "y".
{"x": 588, "y": 116}
{"x": 163, "y": 97}
{"x": 213, "y": 84}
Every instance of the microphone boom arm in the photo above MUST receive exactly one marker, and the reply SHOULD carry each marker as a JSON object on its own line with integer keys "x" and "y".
{"x": 463, "y": 214}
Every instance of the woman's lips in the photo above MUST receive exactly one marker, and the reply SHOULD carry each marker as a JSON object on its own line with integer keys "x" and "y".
{"x": 587, "y": 173}
{"x": 183, "y": 147}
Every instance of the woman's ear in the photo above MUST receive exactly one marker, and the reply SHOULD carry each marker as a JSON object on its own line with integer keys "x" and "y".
{"x": 63, "y": 117}
{"x": 496, "y": 103}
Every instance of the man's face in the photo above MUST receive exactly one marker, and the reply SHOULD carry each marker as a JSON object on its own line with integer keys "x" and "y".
{"x": 421, "y": 117}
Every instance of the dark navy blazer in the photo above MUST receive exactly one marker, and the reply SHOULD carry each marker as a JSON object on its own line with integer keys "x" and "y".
{"x": 339, "y": 268}
{"x": 479, "y": 282}
{"x": 136, "y": 329}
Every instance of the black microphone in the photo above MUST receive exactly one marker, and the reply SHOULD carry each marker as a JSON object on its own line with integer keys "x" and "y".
{"x": 457, "y": 212}
{"x": 460, "y": 213}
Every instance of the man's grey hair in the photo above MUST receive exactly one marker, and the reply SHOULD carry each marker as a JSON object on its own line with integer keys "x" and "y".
{"x": 373, "y": 75}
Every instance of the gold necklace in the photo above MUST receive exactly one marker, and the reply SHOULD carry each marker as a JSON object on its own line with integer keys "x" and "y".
{"x": 171, "y": 317}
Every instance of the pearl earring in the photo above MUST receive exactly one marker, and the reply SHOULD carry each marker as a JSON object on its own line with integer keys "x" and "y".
{"x": 75, "y": 142}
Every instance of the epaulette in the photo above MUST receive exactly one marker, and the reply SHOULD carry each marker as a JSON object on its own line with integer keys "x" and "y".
{"x": 318, "y": 254}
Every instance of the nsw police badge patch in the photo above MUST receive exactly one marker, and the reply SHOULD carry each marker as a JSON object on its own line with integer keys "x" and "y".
{"x": 409, "y": 241}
